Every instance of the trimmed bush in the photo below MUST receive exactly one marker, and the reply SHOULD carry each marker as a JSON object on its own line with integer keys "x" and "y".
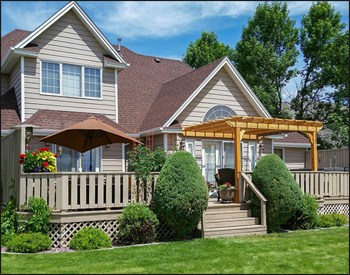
{"x": 90, "y": 238}
{"x": 137, "y": 224}
{"x": 306, "y": 215}
{"x": 181, "y": 195}
{"x": 331, "y": 220}
{"x": 284, "y": 197}
{"x": 29, "y": 243}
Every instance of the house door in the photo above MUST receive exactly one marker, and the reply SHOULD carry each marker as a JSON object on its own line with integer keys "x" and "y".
{"x": 252, "y": 155}
{"x": 211, "y": 160}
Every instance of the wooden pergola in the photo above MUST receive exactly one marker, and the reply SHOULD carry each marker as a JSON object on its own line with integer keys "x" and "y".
{"x": 253, "y": 128}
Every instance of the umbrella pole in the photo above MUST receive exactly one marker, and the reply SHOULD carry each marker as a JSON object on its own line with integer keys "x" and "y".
{"x": 91, "y": 154}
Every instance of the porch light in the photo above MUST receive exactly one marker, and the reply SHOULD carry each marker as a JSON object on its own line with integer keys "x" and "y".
{"x": 60, "y": 150}
{"x": 47, "y": 144}
{"x": 108, "y": 145}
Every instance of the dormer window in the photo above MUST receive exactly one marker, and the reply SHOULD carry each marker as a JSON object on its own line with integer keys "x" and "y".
{"x": 70, "y": 80}
{"x": 218, "y": 112}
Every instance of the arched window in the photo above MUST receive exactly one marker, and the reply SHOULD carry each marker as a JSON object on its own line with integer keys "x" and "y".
{"x": 218, "y": 112}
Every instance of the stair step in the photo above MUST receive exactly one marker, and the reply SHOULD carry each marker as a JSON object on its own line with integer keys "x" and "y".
{"x": 235, "y": 234}
{"x": 213, "y": 207}
{"x": 217, "y": 223}
{"x": 235, "y": 231}
{"x": 227, "y": 214}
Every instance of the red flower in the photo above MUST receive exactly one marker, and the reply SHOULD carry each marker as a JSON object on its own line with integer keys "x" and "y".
{"x": 227, "y": 183}
{"x": 40, "y": 149}
{"x": 208, "y": 183}
{"x": 21, "y": 161}
{"x": 56, "y": 155}
{"x": 35, "y": 153}
{"x": 22, "y": 156}
{"x": 27, "y": 147}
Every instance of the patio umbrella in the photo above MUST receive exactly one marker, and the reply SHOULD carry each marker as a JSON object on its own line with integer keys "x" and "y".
{"x": 88, "y": 134}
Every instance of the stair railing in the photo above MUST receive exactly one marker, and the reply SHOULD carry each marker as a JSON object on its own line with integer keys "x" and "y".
{"x": 245, "y": 183}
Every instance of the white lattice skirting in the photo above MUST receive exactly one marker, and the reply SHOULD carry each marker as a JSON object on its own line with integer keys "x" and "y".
{"x": 342, "y": 208}
{"x": 62, "y": 233}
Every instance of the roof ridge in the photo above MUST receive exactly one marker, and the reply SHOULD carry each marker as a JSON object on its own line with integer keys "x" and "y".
{"x": 144, "y": 55}
{"x": 196, "y": 70}
{"x": 14, "y": 31}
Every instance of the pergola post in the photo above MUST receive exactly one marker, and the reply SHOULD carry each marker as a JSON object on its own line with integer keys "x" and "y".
{"x": 237, "y": 147}
{"x": 313, "y": 141}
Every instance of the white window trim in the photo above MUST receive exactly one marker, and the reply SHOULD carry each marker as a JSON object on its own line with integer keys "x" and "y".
{"x": 217, "y": 105}
{"x": 255, "y": 145}
{"x": 82, "y": 80}
{"x": 193, "y": 142}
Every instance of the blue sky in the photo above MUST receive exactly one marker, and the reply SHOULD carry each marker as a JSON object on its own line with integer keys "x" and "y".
{"x": 161, "y": 29}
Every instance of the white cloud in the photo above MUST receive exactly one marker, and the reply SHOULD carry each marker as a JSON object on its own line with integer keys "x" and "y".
{"x": 302, "y": 7}
{"x": 161, "y": 19}
{"x": 26, "y": 15}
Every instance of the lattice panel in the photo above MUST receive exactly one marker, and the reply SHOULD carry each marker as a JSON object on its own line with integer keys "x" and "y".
{"x": 334, "y": 208}
{"x": 61, "y": 234}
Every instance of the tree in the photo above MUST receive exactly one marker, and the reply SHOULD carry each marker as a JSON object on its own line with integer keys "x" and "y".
{"x": 205, "y": 50}
{"x": 266, "y": 54}
{"x": 324, "y": 89}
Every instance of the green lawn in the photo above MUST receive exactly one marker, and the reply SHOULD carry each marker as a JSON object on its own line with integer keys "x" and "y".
{"x": 321, "y": 251}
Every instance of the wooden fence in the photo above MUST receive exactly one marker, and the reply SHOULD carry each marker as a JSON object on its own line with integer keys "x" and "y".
{"x": 323, "y": 183}
{"x": 11, "y": 148}
{"x": 90, "y": 190}
{"x": 330, "y": 158}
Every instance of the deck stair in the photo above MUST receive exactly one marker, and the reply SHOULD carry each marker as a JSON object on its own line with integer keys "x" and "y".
{"x": 230, "y": 219}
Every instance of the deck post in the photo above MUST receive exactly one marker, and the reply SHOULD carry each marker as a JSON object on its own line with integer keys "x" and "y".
{"x": 237, "y": 148}
{"x": 313, "y": 141}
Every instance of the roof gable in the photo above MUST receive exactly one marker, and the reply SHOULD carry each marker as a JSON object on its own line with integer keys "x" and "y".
{"x": 84, "y": 18}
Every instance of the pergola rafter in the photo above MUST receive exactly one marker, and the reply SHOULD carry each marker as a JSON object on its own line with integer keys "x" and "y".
{"x": 245, "y": 127}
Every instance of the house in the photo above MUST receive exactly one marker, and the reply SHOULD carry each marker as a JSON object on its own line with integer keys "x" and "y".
{"x": 66, "y": 70}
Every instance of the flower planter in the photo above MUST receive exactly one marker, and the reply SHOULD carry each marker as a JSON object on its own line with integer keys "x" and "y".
{"x": 226, "y": 195}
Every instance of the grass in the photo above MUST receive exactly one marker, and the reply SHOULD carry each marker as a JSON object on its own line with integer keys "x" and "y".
{"x": 300, "y": 252}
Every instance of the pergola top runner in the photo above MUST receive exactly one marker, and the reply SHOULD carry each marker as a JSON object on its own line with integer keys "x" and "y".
{"x": 244, "y": 127}
{"x": 251, "y": 127}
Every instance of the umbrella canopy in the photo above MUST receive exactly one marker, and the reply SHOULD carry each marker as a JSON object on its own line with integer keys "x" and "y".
{"x": 88, "y": 134}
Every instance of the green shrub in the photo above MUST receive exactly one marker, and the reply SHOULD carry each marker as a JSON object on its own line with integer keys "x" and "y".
{"x": 331, "y": 220}
{"x": 90, "y": 238}
{"x": 137, "y": 224}
{"x": 181, "y": 195}
{"x": 9, "y": 222}
{"x": 284, "y": 197}
{"x": 5, "y": 238}
{"x": 29, "y": 243}
{"x": 306, "y": 215}
{"x": 39, "y": 222}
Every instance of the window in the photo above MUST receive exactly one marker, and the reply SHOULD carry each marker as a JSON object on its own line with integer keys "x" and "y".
{"x": 92, "y": 82}
{"x": 218, "y": 112}
{"x": 50, "y": 75}
{"x": 69, "y": 160}
{"x": 71, "y": 80}
{"x": 279, "y": 152}
{"x": 190, "y": 147}
{"x": 68, "y": 80}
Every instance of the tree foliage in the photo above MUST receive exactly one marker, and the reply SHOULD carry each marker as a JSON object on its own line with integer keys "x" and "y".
{"x": 205, "y": 50}
{"x": 266, "y": 54}
{"x": 323, "y": 93}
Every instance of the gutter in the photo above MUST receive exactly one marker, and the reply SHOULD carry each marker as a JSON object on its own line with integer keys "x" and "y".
{"x": 16, "y": 52}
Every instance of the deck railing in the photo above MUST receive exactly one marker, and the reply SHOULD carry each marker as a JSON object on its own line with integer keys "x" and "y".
{"x": 90, "y": 190}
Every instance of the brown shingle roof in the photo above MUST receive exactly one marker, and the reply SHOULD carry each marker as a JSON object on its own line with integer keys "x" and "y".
{"x": 174, "y": 93}
{"x": 11, "y": 39}
{"x": 9, "y": 111}
{"x": 58, "y": 120}
{"x": 140, "y": 83}
{"x": 293, "y": 137}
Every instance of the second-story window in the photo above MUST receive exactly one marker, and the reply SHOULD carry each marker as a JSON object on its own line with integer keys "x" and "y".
{"x": 70, "y": 80}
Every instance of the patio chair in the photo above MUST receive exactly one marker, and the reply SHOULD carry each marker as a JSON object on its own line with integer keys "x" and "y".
{"x": 227, "y": 175}
{"x": 218, "y": 182}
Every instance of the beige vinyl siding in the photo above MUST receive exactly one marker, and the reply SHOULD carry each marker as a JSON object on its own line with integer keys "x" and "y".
{"x": 220, "y": 90}
{"x": 267, "y": 147}
{"x": 68, "y": 41}
{"x": 112, "y": 158}
{"x": 15, "y": 82}
{"x": 4, "y": 83}
{"x": 294, "y": 157}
